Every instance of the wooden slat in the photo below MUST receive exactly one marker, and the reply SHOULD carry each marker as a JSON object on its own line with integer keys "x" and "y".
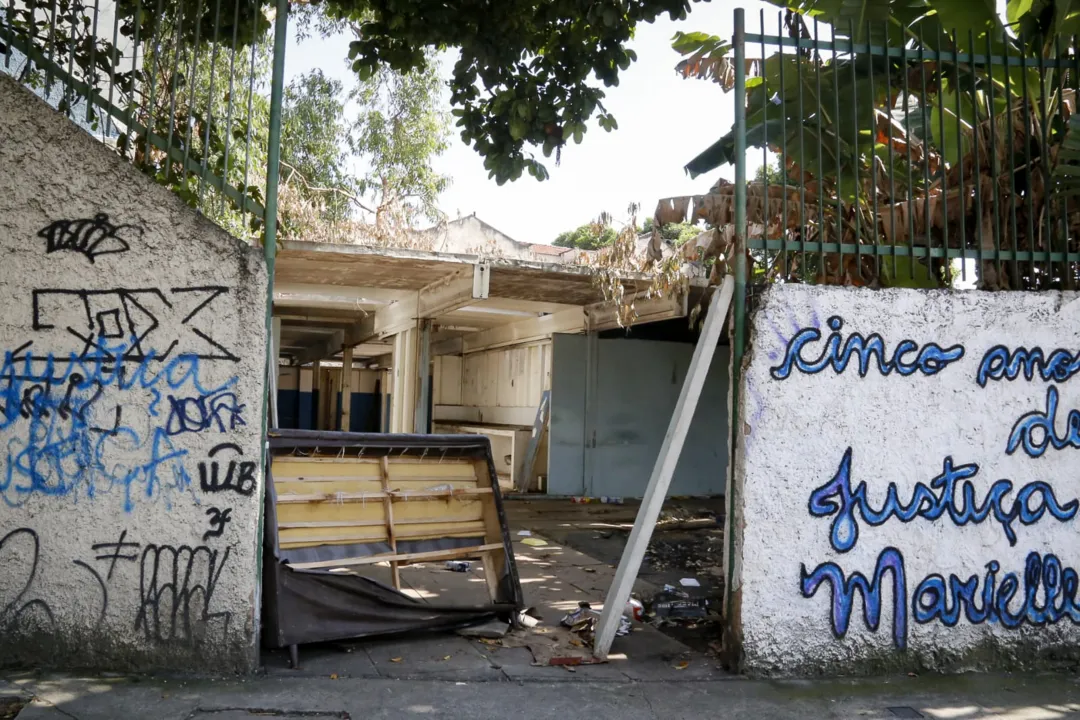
{"x": 433, "y": 556}
{"x": 473, "y": 529}
{"x": 444, "y": 520}
{"x": 388, "y": 508}
{"x": 287, "y": 498}
{"x": 495, "y": 566}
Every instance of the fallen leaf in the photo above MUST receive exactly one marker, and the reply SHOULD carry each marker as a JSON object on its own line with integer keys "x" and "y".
{"x": 576, "y": 643}
{"x": 446, "y": 657}
{"x": 333, "y": 676}
{"x": 682, "y": 665}
{"x": 396, "y": 660}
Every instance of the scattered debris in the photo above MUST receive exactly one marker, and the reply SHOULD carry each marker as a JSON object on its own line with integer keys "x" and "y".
{"x": 458, "y": 565}
{"x": 682, "y": 664}
{"x": 490, "y": 629}
{"x": 446, "y": 657}
{"x": 689, "y": 582}
{"x": 396, "y": 660}
{"x": 529, "y": 618}
{"x": 534, "y": 542}
{"x": 524, "y": 533}
{"x": 671, "y": 604}
{"x": 583, "y": 622}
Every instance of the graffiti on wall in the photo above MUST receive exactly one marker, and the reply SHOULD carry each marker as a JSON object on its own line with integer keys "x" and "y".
{"x": 1041, "y": 592}
{"x": 95, "y": 399}
{"x": 125, "y": 396}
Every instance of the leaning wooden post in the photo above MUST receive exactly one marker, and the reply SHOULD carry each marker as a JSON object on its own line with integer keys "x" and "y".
{"x": 663, "y": 470}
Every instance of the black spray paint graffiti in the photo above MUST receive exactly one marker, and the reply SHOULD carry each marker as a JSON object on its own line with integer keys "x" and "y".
{"x": 218, "y": 520}
{"x": 176, "y": 590}
{"x": 93, "y": 237}
{"x": 239, "y": 478}
{"x": 120, "y": 551}
{"x": 77, "y": 321}
{"x": 222, "y": 411}
{"x": 19, "y": 553}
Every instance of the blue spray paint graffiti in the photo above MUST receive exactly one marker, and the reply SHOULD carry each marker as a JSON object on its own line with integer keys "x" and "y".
{"x": 929, "y": 359}
{"x": 951, "y": 493}
{"x": 49, "y": 407}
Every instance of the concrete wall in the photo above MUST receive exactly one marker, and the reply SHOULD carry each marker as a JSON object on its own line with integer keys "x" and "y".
{"x": 918, "y": 511}
{"x": 501, "y": 386}
{"x": 132, "y": 355}
{"x": 605, "y": 436}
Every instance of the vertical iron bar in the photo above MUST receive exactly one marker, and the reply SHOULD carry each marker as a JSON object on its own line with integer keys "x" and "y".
{"x": 251, "y": 95}
{"x": 873, "y": 145}
{"x": 819, "y": 111}
{"x": 910, "y": 171}
{"x": 1010, "y": 150}
{"x": 228, "y": 116}
{"x": 1044, "y": 152}
{"x": 765, "y": 149}
{"x": 131, "y": 104}
{"x": 802, "y": 159}
{"x": 892, "y": 155}
{"x": 210, "y": 103}
{"x": 172, "y": 89}
{"x": 155, "y": 65}
{"x": 114, "y": 61}
{"x": 960, "y": 159}
{"x": 189, "y": 116}
{"x": 783, "y": 159}
{"x": 67, "y": 88}
{"x": 1066, "y": 200}
{"x": 994, "y": 170}
{"x": 739, "y": 301}
{"x": 977, "y": 169}
{"x": 9, "y": 18}
{"x": 1027, "y": 167}
{"x": 926, "y": 153}
{"x": 52, "y": 49}
{"x": 855, "y": 149}
{"x": 944, "y": 163}
{"x": 1056, "y": 198}
{"x": 839, "y": 170}
{"x": 273, "y": 158}
{"x": 91, "y": 75}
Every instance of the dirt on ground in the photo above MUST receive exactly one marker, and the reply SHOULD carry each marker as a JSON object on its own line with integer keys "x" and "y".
{"x": 10, "y": 707}
{"x": 687, "y": 547}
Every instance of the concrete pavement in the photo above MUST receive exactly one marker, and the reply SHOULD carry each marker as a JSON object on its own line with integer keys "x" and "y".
{"x": 575, "y": 695}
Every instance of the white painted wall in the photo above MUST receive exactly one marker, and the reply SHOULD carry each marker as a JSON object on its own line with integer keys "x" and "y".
{"x": 901, "y": 430}
{"x": 119, "y": 546}
{"x": 501, "y": 386}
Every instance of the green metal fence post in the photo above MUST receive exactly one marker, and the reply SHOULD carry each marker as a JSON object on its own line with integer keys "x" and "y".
{"x": 273, "y": 164}
{"x": 739, "y": 311}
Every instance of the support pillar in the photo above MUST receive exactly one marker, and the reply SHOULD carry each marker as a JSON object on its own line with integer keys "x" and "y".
{"x": 404, "y": 391}
{"x": 346, "y": 388}
{"x": 423, "y": 380}
{"x": 316, "y": 395}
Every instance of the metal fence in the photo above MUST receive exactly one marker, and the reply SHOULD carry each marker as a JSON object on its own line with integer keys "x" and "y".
{"x": 908, "y": 160}
{"x": 180, "y": 88}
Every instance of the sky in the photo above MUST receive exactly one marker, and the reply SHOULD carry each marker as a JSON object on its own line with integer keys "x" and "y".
{"x": 664, "y": 121}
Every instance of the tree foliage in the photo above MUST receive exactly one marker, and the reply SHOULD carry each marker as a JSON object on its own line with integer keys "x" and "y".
{"x": 590, "y": 236}
{"x": 935, "y": 152}
{"x": 676, "y": 233}
{"x": 529, "y": 76}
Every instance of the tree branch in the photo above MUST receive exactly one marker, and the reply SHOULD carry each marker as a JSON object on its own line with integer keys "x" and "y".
{"x": 334, "y": 190}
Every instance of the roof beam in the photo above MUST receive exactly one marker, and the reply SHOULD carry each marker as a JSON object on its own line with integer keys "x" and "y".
{"x": 595, "y": 317}
{"x": 445, "y": 295}
{"x": 537, "y": 328}
{"x": 605, "y": 316}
